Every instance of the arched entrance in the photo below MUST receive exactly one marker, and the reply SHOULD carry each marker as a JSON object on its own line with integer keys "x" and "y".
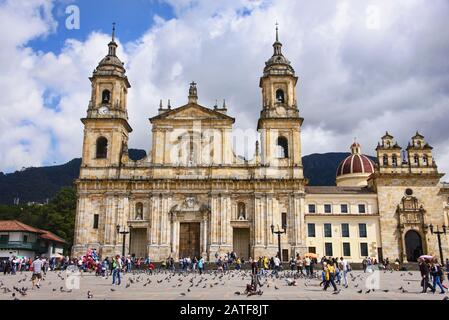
{"x": 413, "y": 246}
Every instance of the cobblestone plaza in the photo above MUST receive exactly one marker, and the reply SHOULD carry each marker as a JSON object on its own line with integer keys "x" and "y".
{"x": 213, "y": 286}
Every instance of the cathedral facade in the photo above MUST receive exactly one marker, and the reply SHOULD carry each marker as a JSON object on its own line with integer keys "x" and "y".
{"x": 193, "y": 196}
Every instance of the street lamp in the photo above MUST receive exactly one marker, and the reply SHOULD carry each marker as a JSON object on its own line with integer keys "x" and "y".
{"x": 279, "y": 233}
{"x": 439, "y": 233}
{"x": 124, "y": 232}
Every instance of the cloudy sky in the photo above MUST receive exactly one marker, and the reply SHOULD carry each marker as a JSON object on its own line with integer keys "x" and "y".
{"x": 364, "y": 67}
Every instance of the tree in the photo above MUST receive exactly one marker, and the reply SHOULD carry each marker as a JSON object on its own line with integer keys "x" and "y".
{"x": 58, "y": 216}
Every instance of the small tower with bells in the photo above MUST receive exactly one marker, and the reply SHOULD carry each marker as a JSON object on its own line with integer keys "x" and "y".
{"x": 106, "y": 127}
{"x": 279, "y": 123}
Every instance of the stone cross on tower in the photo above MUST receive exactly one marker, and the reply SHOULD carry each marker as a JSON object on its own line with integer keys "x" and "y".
{"x": 193, "y": 93}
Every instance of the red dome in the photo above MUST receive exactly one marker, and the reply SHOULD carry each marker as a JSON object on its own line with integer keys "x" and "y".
{"x": 355, "y": 163}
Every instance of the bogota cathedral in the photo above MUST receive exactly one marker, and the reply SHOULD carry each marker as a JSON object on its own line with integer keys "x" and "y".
{"x": 192, "y": 196}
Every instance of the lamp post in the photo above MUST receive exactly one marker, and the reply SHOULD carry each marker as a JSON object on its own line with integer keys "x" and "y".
{"x": 279, "y": 233}
{"x": 124, "y": 232}
{"x": 439, "y": 233}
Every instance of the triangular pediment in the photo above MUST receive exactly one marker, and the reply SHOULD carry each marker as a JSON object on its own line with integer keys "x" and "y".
{"x": 192, "y": 111}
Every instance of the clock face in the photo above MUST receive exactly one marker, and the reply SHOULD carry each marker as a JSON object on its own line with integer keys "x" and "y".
{"x": 103, "y": 110}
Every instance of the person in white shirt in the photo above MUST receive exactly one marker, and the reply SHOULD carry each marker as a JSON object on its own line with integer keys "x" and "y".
{"x": 307, "y": 265}
{"x": 37, "y": 272}
{"x": 277, "y": 263}
{"x": 344, "y": 266}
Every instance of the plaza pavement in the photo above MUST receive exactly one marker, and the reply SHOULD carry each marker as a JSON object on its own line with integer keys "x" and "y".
{"x": 162, "y": 286}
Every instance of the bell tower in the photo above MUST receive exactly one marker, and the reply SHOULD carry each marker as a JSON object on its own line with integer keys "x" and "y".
{"x": 106, "y": 128}
{"x": 419, "y": 154}
{"x": 279, "y": 123}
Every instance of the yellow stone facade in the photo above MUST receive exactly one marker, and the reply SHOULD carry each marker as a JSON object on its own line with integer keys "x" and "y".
{"x": 192, "y": 195}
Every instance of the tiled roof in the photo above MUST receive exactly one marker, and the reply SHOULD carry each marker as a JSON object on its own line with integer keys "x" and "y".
{"x": 51, "y": 236}
{"x": 339, "y": 190}
{"x": 14, "y": 225}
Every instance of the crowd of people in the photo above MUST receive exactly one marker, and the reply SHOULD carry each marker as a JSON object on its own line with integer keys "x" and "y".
{"x": 332, "y": 271}
{"x": 20, "y": 264}
{"x": 432, "y": 274}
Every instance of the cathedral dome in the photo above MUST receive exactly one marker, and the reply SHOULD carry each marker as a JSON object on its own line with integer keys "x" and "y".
{"x": 355, "y": 169}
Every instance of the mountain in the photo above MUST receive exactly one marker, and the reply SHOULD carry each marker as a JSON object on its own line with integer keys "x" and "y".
{"x": 321, "y": 169}
{"x": 41, "y": 184}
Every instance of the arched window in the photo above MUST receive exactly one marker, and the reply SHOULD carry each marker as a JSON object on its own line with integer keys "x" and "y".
{"x": 139, "y": 211}
{"x": 241, "y": 211}
{"x": 385, "y": 160}
{"x": 395, "y": 160}
{"x": 416, "y": 159}
{"x": 425, "y": 160}
{"x": 106, "y": 96}
{"x": 280, "y": 96}
{"x": 102, "y": 148}
{"x": 282, "y": 148}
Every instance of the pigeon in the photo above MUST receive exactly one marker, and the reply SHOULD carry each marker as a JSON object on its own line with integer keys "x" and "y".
{"x": 368, "y": 291}
{"x": 112, "y": 289}
{"x": 237, "y": 293}
{"x": 360, "y": 291}
{"x": 336, "y": 292}
{"x": 385, "y": 291}
{"x": 182, "y": 294}
{"x": 89, "y": 295}
{"x": 276, "y": 287}
{"x": 291, "y": 283}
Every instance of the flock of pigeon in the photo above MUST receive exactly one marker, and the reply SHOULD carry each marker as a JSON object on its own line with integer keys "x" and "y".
{"x": 187, "y": 283}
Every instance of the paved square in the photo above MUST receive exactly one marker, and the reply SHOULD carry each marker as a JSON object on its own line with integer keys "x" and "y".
{"x": 166, "y": 286}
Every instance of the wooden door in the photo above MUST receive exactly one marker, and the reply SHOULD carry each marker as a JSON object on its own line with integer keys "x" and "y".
{"x": 241, "y": 243}
{"x": 189, "y": 240}
{"x": 138, "y": 245}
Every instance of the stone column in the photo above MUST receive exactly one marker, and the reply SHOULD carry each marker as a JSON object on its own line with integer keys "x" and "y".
{"x": 257, "y": 221}
{"x": 222, "y": 220}
{"x": 204, "y": 235}
{"x": 269, "y": 219}
{"x": 214, "y": 226}
{"x": 227, "y": 222}
{"x": 154, "y": 219}
{"x": 298, "y": 240}
{"x": 81, "y": 225}
{"x": 125, "y": 205}
{"x": 259, "y": 217}
{"x": 173, "y": 234}
{"x": 108, "y": 234}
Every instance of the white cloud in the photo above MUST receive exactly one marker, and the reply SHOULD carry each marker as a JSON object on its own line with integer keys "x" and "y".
{"x": 364, "y": 67}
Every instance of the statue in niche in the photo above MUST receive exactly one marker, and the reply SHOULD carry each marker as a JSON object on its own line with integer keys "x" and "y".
{"x": 139, "y": 211}
{"x": 241, "y": 211}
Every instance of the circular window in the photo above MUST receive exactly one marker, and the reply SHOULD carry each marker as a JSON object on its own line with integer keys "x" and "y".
{"x": 409, "y": 192}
